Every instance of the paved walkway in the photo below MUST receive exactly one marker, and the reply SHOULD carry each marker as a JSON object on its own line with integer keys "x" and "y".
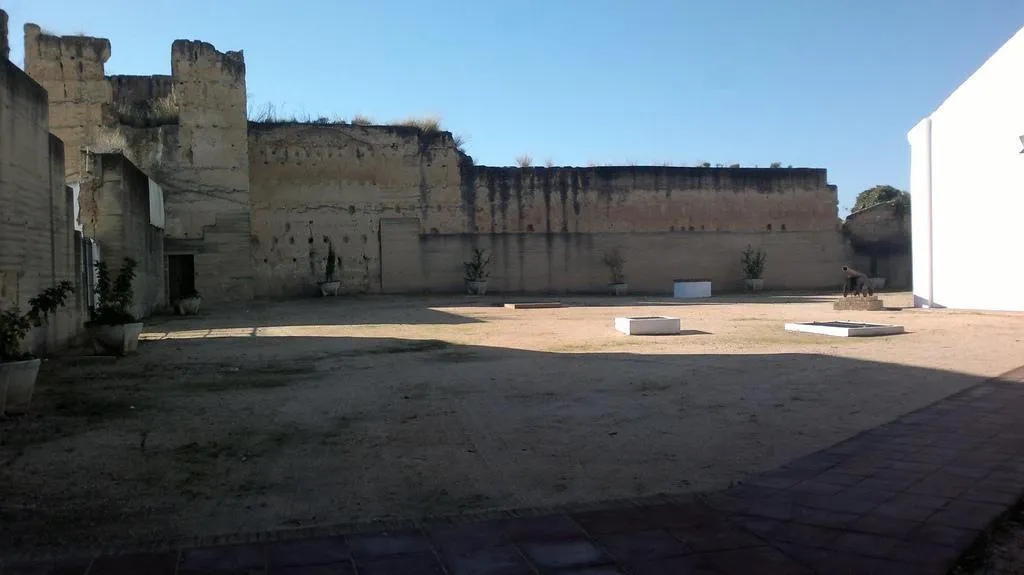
{"x": 904, "y": 498}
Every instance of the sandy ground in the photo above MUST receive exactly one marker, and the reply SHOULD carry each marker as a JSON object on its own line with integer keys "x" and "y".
{"x": 334, "y": 410}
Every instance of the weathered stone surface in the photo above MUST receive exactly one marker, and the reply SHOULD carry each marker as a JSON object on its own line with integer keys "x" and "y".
{"x": 37, "y": 236}
{"x": 259, "y": 203}
{"x": 858, "y": 303}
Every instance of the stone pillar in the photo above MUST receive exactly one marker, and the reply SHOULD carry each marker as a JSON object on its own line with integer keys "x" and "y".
{"x": 71, "y": 69}
{"x": 5, "y": 47}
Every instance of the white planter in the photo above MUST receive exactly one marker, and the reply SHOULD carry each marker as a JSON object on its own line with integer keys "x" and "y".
{"x": 478, "y": 287}
{"x": 189, "y": 305}
{"x": 845, "y": 328}
{"x": 329, "y": 288}
{"x": 654, "y": 325}
{"x": 619, "y": 289}
{"x": 17, "y": 383}
{"x": 691, "y": 288}
{"x": 754, "y": 284}
{"x": 115, "y": 339}
{"x": 877, "y": 283}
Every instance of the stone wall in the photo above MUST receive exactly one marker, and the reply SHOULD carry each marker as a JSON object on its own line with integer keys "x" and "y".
{"x": 259, "y": 205}
{"x": 37, "y": 237}
{"x": 880, "y": 238}
{"x": 114, "y": 205}
{"x": 645, "y": 199}
{"x": 5, "y": 47}
{"x": 403, "y": 207}
{"x": 70, "y": 68}
{"x": 187, "y": 131}
{"x": 317, "y": 184}
{"x": 571, "y": 263}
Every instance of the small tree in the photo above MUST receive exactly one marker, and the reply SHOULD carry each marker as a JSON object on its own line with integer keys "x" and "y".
{"x": 615, "y": 263}
{"x": 332, "y": 261}
{"x": 14, "y": 325}
{"x": 878, "y": 195}
{"x": 476, "y": 269}
{"x": 524, "y": 160}
{"x": 753, "y": 262}
{"x": 114, "y": 298}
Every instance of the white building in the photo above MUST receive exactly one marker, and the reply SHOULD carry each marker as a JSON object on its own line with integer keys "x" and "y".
{"x": 967, "y": 191}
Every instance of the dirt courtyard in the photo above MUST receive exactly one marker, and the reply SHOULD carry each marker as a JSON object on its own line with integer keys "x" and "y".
{"x": 342, "y": 409}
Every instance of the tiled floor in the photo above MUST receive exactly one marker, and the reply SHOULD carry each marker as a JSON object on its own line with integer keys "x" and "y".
{"x": 907, "y": 497}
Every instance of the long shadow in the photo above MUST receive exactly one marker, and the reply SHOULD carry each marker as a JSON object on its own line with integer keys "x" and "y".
{"x": 192, "y": 437}
{"x": 316, "y": 312}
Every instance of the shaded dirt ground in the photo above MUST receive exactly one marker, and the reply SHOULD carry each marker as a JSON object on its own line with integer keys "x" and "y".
{"x": 335, "y": 410}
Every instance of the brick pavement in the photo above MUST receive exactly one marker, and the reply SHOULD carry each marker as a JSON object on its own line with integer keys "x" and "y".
{"x": 905, "y": 498}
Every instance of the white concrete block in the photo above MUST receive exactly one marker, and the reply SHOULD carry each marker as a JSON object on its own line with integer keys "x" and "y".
{"x": 652, "y": 325}
{"x": 845, "y": 328}
{"x": 691, "y": 288}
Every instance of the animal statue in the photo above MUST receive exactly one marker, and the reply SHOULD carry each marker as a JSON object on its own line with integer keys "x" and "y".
{"x": 856, "y": 282}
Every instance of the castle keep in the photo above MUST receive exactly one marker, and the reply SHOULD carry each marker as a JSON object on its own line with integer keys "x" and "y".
{"x": 238, "y": 209}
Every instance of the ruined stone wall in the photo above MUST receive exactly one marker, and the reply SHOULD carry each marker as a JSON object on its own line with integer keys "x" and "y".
{"x": 316, "y": 184}
{"x": 571, "y": 263}
{"x": 880, "y": 237}
{"x": 645, "y": 199}
{"x": 5, "y": 47}
{"x": 70, "y": 68}
{"x": 187, "y": 131}
{"x": 37, "y": 239}
{"x": 114, "y": 207}
{"x": 403, "y": 208}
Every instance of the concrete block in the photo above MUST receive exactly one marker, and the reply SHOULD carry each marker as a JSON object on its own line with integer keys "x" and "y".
{"x": 691, "y": 288}
{"x": 858, "y": 303}
{"x": 651, "y": 325}
{"x": 845, "y": 328}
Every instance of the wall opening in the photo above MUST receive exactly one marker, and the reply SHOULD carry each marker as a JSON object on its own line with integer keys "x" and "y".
{"x": 181, "y": 276}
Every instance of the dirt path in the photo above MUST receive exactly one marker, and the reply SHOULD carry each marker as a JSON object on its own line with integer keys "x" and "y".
{"x": 335, "y": 410}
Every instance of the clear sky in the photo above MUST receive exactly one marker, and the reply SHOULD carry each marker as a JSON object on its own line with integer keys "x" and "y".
{"x": 819, "y": 83}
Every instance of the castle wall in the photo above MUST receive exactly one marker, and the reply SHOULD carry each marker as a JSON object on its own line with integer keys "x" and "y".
{"x": 571, "y": 262}
{"x": 70, "y": 68}
{"x": 880, "y": 237}
{"x": 645, "y": 199}
{"x": 37, "y": 237}
{"x": 403, "y": 210}
{"x": 258, "y": 205}
{"x": 115, "y": 211}
{"x": 315, "y": 184}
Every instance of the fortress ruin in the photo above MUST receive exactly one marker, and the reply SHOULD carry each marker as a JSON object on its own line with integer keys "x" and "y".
{"x": 239, "y": 209}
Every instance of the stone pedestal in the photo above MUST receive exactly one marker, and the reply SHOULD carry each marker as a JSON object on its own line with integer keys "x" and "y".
{"x": 858, "y": 303}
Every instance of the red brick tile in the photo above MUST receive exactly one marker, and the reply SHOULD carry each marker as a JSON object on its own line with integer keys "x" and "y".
{"x": 544, "y": 528}
{"x": 314, "y": 551}
{"x": 387, "y": 543}
{"x": 423, "y": 563}
{"x": 612, "y": 521}
{"x": 155, "y": 563}
{"x": 640, "y": 545}
{"x": 505, "y": 560}
{"x": 564, "y": 554}
{"x": 716, "y": 536}
{"x": 967, "y": 514}
{"x": 882, "y": 525}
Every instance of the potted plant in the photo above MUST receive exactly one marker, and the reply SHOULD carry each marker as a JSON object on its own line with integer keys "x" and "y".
{"x": 18, "y": 370}
{"x": 615, "y": 263}
{"x": 330, "y": 286}
{"x": 476, "y": 272}
{"x": 189, "y": 304}
{"x": 753, "y": 267}
{"x": 113, "y": 327}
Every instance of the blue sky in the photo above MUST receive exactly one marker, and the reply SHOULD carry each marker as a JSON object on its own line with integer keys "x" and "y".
{"x": 821, "y": 83}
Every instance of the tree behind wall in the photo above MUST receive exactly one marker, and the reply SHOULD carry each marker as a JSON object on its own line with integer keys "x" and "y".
{"x": 878, "y": 195}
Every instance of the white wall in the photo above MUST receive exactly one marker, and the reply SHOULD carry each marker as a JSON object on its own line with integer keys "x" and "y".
{"x": 976, "y": 201}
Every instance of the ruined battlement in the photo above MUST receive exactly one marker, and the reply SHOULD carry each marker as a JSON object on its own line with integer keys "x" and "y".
{"x": 137, "y": 89}
{"x": 5, "y": 47}
{"x": 83, "y": 56}
{"x": 193, "y": 57}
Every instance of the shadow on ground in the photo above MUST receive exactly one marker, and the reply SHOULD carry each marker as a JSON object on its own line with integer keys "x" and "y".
{"x": 196, "y": 437}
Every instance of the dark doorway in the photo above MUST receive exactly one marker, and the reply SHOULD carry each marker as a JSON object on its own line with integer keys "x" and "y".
{"x": 181, "y": 276}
